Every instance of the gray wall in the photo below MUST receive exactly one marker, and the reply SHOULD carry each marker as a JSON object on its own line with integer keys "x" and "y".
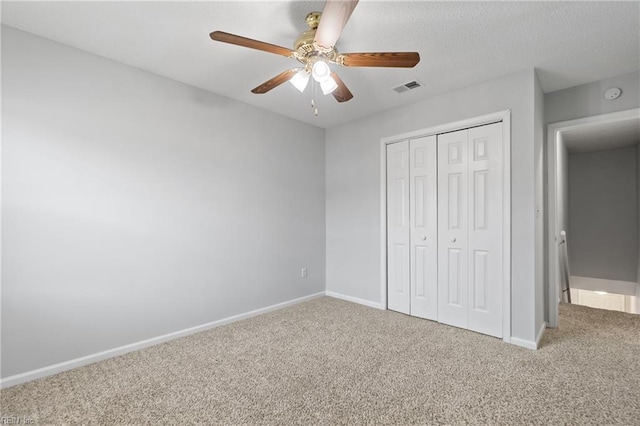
{"x": 562, "y": 195}
{"x": 638, "y": 186}
{"x": 540, "y": 238}
{"x": 587, "y": 100}
{"x": 562, "y": 206}
{"x": 603, "y": 212}
{"x": 353, "y": 188}
{"x": 135, "y": 206}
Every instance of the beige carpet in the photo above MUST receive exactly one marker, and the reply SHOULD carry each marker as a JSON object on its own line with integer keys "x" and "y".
{"x": 333, "y": 362}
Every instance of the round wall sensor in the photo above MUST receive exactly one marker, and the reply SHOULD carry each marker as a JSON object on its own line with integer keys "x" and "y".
{"x": 612, "y": 93}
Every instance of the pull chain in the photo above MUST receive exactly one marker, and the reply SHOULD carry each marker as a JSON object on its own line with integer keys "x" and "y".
{"x": 313, "y": 104}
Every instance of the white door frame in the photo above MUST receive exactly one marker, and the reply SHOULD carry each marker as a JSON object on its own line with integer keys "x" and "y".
{"x": 505, "y": 118}
{"x": 554, "y": 130}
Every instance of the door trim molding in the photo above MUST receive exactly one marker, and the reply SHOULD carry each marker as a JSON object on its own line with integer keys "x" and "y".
{"x": 501, "y": 116}
{"x": 554, "y": 130}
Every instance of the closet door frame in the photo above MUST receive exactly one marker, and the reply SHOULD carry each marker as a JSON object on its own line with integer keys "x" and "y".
{"x": 501, "y": 116}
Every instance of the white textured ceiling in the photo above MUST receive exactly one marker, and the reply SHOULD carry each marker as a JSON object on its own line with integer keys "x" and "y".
{"x": 460, "y": 43}
{"x": 602, "y": 136}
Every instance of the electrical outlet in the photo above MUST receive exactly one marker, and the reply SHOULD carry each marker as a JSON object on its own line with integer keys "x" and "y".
{"x": 303, "y": 272}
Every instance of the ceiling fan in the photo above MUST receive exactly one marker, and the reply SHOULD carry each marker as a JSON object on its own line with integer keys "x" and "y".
{"x": 315, "y": 49}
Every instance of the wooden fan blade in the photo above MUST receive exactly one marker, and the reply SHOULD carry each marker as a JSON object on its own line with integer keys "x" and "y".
{"x": 275, "y": 81}
{"x": 380, "y": 59}
{"x": 335, "y": 15}
{"x": 251, "y": 43}
{"x": 342, "y": 93}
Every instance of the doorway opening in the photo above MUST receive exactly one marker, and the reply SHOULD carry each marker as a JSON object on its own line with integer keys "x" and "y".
{"x": 594, "y": 212}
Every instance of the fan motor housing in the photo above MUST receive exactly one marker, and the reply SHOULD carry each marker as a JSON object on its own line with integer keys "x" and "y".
{"x": 305, "y": 39}
{"x": 304, "y": 47}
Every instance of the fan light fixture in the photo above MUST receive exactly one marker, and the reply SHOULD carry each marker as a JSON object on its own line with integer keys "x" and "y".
{"x": 328, "y": 86}
{"x": 322, "y": 74}
{"x": 300, "y": 79}
{"x": 321, "y": 71}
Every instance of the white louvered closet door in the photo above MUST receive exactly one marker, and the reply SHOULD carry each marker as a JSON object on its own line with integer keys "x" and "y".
{"x": 470, "y": 229}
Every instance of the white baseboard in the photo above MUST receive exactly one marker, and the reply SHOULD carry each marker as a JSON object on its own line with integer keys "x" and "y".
{"x": 530, "y": 344}
{"x": 357, "y": 300}
{"x": 110, "y": 353}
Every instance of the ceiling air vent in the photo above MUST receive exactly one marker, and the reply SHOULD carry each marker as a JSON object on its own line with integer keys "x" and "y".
{"x": 408, "y": 86}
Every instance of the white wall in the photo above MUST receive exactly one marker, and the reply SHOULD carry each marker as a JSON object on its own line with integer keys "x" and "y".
{"x": 353, "y": 188}
{"x": 603, "y": 211}
{"x": 540, "y": 238}
{"x": 135, "y": 206}
{"x": 587, "y": 100}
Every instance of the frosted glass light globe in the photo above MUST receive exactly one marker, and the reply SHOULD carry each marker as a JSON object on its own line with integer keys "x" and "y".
{"x": 328, "y": 86}
{"x": 300, "y": 80}
{"x": 320, "y": 71}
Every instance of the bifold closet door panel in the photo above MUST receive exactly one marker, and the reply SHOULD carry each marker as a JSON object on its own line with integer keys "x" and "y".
{"x": 470, "y": 221}
{"x": 398, "y": 228}
{"x": 485, "y": 229}
{"x": 452, "y": 228}
{"x": 423, "y": 204}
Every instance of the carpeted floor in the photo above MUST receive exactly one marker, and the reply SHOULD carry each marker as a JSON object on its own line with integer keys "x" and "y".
{"x": 328, "y": 361}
